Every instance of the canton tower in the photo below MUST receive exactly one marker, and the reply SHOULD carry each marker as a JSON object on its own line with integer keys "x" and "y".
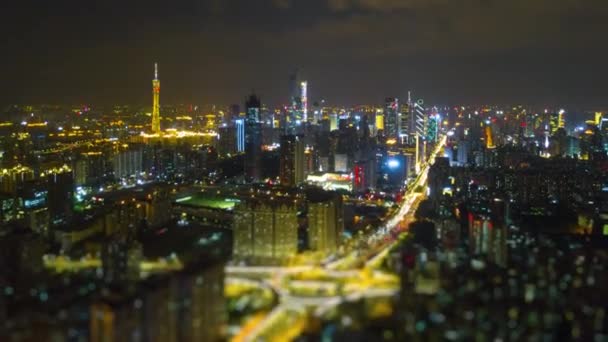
{"x": 155, "y": 102}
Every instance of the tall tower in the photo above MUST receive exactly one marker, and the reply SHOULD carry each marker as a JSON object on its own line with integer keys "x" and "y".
{"x": 419, "y": 120}
{"x": 403, "y": 122}
{"x": 304, "y": 100}
{"x": 291, "y": 160}
{"x": 155, "y": 101}
{"x": 391, "y": 108}
{"x": 297, "y": 89}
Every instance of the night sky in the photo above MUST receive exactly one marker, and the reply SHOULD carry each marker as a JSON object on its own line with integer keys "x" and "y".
{"x": 351, "y": 51}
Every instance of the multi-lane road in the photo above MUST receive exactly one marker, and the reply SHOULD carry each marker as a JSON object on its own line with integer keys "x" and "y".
{"x": 315, "y": 289}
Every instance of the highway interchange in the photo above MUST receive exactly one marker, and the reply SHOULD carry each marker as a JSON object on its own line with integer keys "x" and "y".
{"x": 318, "y": 288}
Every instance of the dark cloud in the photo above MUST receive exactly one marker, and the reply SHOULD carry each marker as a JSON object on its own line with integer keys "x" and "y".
{"x": 380, "y": 5}
{"x": 282, "y": 4}
{"x": 465, "y": 25}
{"x": 352, "y": 51}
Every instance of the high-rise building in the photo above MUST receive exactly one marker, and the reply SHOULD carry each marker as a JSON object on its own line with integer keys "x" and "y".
{"x": 333, "y": 122}
{"x": 294, "y": 91}
{"x": 417, "y": 120}
{"x": 464, "y": 148}
{"x": 89, "y": 168}
{"x": 292, "y": 160}
{"x": 379, "y": 123}
{"x": 60, "y": 185}
{"x": 404, "y": 122}
{"x": 341, "y": 162}
{"x": 394, "y": 170}
{"x": 233, "y": 113}
{"x": 9, "y": 209}
{"x": 295, "y": 116}
{"x": 128, "y": 163}
{"x": 265, "y": 231}
{"x": 559, "y": 143}
{"x": 432, "y": 128}
{"x": 156, "y": 101}
{"x": 325, "y": 221}
{"x": 438, "y": 179}
{"x": 253, "y": 139}
{"x": 304, "y": 100}
{"x": 391, "y": 125}
{"x": 359, "y": 177}
{"x": 488, "y": 237}
{"x": 239, "y": 126}
{"x": 557, "y": 121}
{"x": 317, "y": 111}
{"x": 227, "y": 139}
{"x": 597, "y": 118}
{"x": 489, "y": 137}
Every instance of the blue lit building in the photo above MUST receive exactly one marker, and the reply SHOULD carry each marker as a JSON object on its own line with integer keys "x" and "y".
{"x": 239, "y": 125}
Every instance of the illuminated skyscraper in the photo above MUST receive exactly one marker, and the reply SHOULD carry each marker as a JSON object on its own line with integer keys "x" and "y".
{"x": 404, "y": 122}
{"x": 239, "y": 125}
{"x": 379, "y": 121}
{"x": 598, "y": 118}
{"x": 359, "y": 177}
{"x": 557, "y": 121}
{"x": 419, "y": 122}
{"x": 391, "y": 109}
{"x": 253, "y": 139}
{"x": 333, "y": 122}
{"x": 432, "y": 127}
{"x": 156, "y": 101}
{"x": 304, "y": 100}
{"x": 489, "y": 137}
{"x": 417, "y": 119}
{"x": 297, "y": 96}
{"x": 413, "y": 116}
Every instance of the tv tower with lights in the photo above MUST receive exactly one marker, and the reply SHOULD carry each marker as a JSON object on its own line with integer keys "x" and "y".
{"x": 171, "y": 136}
{"x": 155, "y": 102}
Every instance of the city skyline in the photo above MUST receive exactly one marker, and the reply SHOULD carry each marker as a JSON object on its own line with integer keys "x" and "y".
{"x": 312, "y": 170}
{"x": 351, "y": 52}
